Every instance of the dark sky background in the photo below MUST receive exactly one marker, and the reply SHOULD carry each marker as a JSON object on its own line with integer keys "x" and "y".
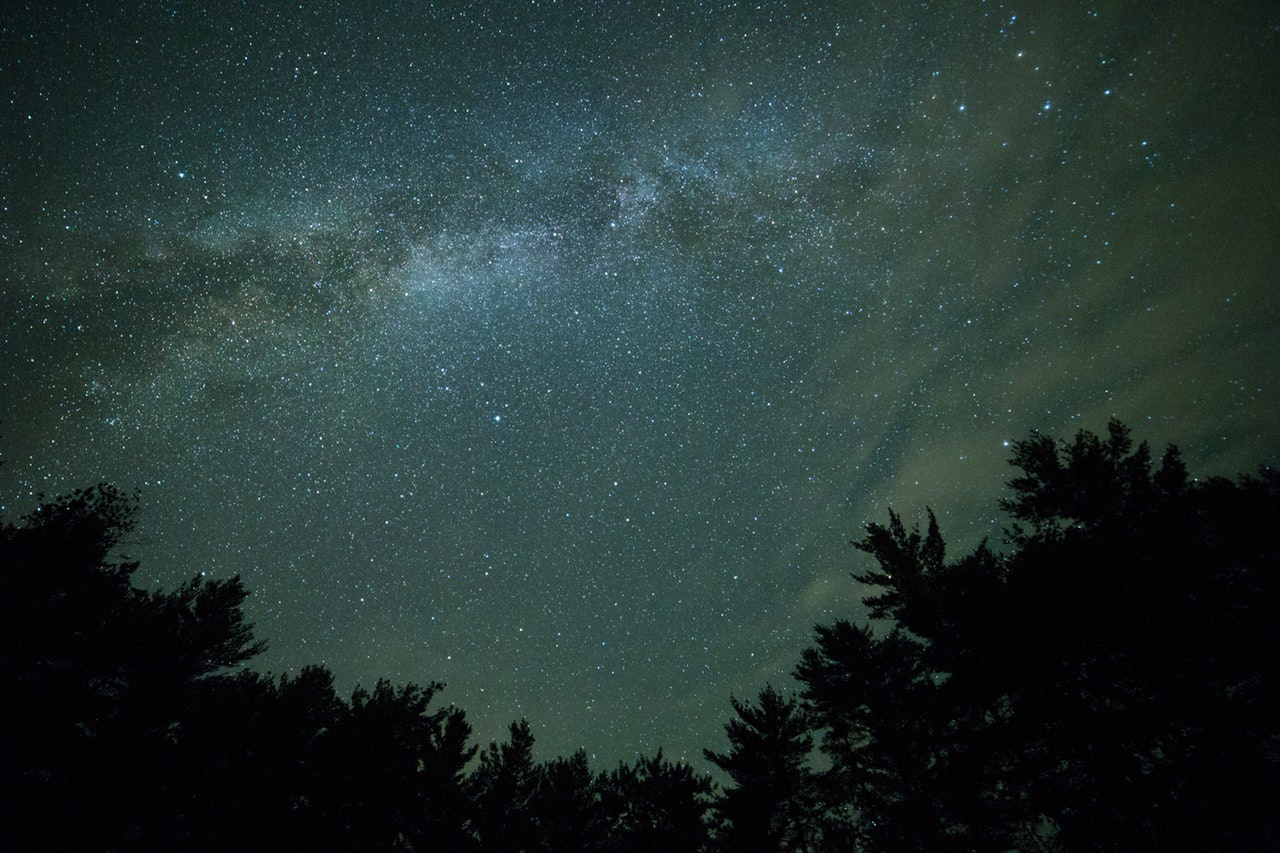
{"x": 557, "y": 350}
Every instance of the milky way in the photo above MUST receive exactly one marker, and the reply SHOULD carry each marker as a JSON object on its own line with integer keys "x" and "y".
{"x": 556, "y": 351}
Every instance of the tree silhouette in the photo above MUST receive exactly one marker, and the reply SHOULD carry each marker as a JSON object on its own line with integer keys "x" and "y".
{"x": 655, "y": 805}
{"x": 561, "y": 805}
{"x": 504, "y": 787}
{"x": 1135, "y": 654}
{"x": 98, "y": 671}
{"x": 568, "y": 808}
{"x": 395, "y": 769}
{"x": 126, "y": 708}
{"x": 247, "y": 747}
{"x": 772, "y": 805}
{"x": 1110, "y": 683}
{"x": 883, "y": 717}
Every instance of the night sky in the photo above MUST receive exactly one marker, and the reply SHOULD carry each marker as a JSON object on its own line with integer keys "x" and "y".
{"x": 557, "y": 350}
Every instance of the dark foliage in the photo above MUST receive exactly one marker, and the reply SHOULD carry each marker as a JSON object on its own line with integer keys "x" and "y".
{"x": 560, "y": 805}
{"x": 567, "y": 806}
{"x": 773, "y": 802}
{"x": 131, "y": 724}
{"x": 1109, "y": 683}
{"x": 98, "y": 672}
{"x": 505, "y": 788}
{"x": 655, "y": 805}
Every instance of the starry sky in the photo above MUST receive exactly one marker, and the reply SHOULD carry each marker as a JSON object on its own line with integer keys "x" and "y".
{"x": 557, "y": 350}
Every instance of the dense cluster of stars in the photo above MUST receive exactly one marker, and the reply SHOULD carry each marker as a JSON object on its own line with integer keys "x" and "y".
{"x": 557, "y": 350}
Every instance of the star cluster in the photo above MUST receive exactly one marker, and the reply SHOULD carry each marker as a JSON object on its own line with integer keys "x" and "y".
{"x": 557, "y": 350}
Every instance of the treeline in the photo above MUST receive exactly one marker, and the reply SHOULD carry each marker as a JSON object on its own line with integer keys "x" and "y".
{"x": 1107, "y": 683}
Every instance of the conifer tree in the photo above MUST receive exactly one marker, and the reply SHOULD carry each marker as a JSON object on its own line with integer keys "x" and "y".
{"x": 772, "y": 803}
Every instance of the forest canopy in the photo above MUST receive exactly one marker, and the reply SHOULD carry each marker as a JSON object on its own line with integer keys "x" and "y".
{"x": 1107, "y": 681}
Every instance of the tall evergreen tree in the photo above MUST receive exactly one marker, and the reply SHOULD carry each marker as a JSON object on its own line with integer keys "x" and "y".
{"x": 772, "y": 804}
{"x": 568, "y": 807}
{"x": 1110, "y": 683}
{"x": 504, "y": 787}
